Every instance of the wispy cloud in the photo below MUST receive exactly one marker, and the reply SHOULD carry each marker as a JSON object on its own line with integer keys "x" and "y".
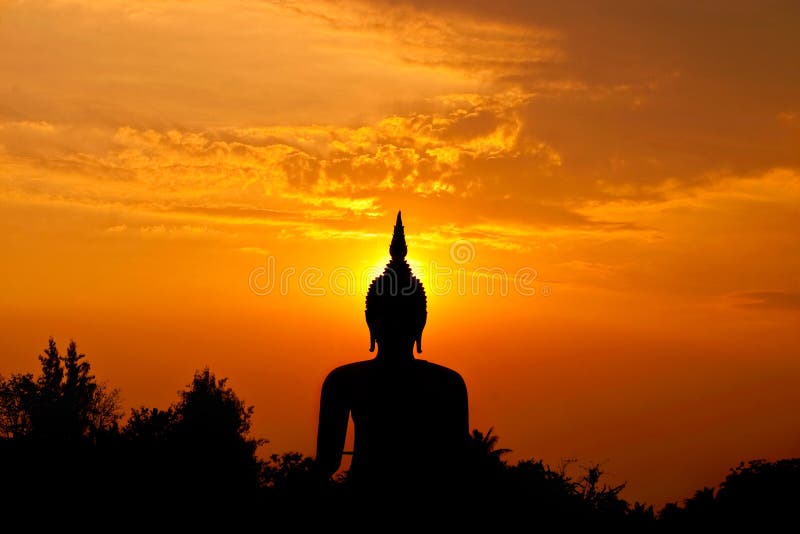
{"x": 775, "y": 300}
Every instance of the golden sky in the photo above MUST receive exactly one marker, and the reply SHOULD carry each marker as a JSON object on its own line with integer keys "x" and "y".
{"x": 633, "y": 165}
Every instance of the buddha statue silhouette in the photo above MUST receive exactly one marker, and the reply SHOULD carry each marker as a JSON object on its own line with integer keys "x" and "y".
{"x": 410, "y": 416}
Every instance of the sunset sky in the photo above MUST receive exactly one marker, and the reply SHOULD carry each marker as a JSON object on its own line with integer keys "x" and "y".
{"x": 630, "y": 169}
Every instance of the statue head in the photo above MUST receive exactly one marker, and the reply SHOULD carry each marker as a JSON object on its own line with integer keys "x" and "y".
{"x": 396, "y": 309}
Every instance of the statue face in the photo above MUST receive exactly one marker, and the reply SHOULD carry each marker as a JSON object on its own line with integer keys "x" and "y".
{"x": 394, "y": 331}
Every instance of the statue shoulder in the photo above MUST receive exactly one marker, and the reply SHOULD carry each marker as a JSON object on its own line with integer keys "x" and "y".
{"x": 348, "y": 371}
{"x": 445, "y": 373}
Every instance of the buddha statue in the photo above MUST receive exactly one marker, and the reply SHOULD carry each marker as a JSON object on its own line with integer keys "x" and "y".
{"x": 410, "y": 416}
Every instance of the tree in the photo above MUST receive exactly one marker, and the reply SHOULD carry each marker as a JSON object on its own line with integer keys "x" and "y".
{"x": 484, "y": 461}
{"x": 289, "y": 472}
{"x": 64, "y": 402}
{"x": 46, "y": 415}
{"x": 199, "y": 445}
{"x": 484, "y": 446}
{"x": 149, "y": 425}
{"x": 17, "y": 399}
{"x": 210, "y": 409}
{"x": 602, "y": 498}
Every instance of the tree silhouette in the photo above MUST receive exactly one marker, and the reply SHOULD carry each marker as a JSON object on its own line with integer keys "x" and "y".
{"x": 18, "y": 397}
{"x": 199, "y": 447}
{"x": 290, "y": 472}
{"x": 485, "y": 445}
{"x": 64, "y": 403}
{"x": 212, "y": 426}
{"x": 53, "y": 426}
{"x": 196, "y": 461}
{"x": 149, "y": 425}
{"x": 757, "y": 494}
{"x": 602, "y": 498}
{"x": 485, "y": 463}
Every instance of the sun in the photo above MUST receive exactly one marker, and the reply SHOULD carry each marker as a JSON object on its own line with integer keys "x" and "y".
{"x": 374, "y": 263}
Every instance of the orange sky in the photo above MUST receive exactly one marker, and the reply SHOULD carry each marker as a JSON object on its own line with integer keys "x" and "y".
{"x": 639, "y": 162}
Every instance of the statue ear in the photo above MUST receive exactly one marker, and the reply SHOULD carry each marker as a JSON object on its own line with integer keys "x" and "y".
{"x": 419, "y": 343}
{"x": 371, "y": 332}
{"x": 371, "y": 337}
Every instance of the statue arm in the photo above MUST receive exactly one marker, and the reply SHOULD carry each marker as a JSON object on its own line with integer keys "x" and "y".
{"x": 463, "y": 408}
{"x": 333, "y": 415}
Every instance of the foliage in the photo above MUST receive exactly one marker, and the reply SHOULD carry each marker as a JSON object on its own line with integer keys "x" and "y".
{"x": 290, "y": 471}
{"x": 199, "y": 444}
{"x": 756, "y": 493}
{"x": 64, "y": 402}
{"x": 59, "y": 433}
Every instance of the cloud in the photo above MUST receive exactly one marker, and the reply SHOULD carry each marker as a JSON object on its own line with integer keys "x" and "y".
{"x": 254, "y": 250}
{"x": 564, "y": 106}
{"x": 281, "y": 172}
{"x": 773, "y": 300}
{"x": 612, "y": 91}
{"x": 521, "y": 126}
{"x": 456, "y": 41}
{"x": 183, "y": 231}
{"x": 166, "y": 64}
{"x": 789, "y": 118}
{"x": 34, "y": 126}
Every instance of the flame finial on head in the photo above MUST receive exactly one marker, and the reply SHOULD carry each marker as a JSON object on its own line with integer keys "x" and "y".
{"x": 398, "y": 248}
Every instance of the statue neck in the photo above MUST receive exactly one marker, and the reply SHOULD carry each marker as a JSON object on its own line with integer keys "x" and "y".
{"x": 395, "y": 354}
